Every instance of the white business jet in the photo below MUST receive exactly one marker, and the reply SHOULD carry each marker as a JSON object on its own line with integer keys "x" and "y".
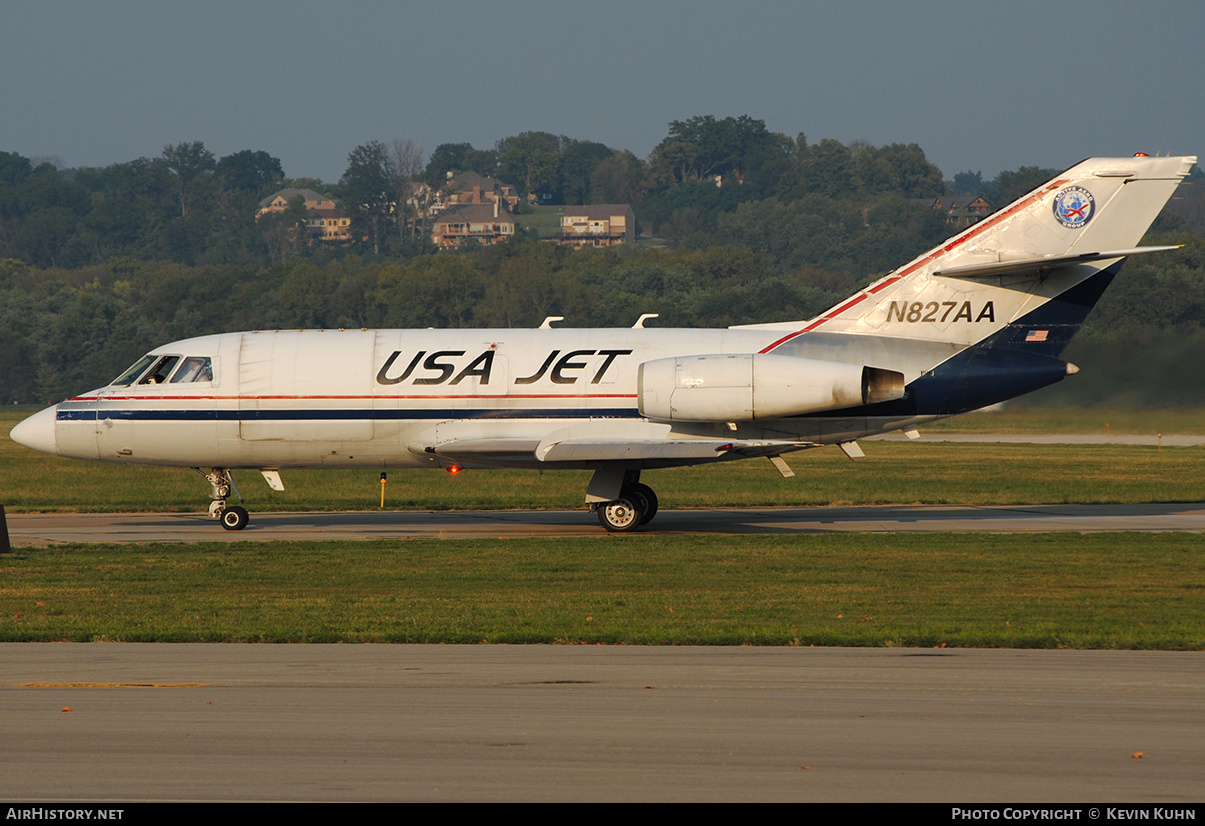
{"x": 980, "y": 319}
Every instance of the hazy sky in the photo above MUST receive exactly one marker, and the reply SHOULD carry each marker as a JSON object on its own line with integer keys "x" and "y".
{"x": 980, "y": 86}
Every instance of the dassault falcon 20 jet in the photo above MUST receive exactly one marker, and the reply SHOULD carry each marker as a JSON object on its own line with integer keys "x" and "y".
{"x": 980, "y": 319}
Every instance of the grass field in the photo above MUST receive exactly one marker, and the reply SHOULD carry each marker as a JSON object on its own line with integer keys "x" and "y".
{"x": 545, "y": 220}
{"x": 1045, "y": 590}
{"x": 1018, "y": 418}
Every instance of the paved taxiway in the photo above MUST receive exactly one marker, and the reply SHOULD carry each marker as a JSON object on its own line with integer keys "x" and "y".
{"x": 1147, "y": 439}
{"x": 402, "y": 722}
{"x": 43, "y": 529}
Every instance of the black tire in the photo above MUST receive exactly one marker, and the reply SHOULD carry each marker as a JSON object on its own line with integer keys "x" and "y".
{"x": 620, "y": 516}
{"x": 235, "y": 519}
{"x": 645, "y": 499}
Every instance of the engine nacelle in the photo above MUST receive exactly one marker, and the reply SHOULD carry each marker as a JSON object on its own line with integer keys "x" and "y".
{"x": 741, "y": 387}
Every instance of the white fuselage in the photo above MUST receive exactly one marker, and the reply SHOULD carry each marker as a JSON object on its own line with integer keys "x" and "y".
{"x": 377, "y": 398}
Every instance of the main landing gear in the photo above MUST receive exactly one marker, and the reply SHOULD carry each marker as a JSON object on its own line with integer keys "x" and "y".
{"x": 635, "y": 506}
{"x": 233, "y": 518}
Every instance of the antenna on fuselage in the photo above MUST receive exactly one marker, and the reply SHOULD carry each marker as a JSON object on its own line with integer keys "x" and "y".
{"x": 547, "y": 325}
{"x": 639, "y": 325}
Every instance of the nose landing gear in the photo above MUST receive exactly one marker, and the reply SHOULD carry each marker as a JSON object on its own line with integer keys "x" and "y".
{"x": 233, "y": 518}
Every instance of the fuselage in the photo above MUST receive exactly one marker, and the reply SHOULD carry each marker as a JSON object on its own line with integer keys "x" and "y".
{"x": 376, "y": 398}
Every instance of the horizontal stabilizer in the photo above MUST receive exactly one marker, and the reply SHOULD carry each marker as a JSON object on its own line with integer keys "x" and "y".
{"x": 1039, "y": 264}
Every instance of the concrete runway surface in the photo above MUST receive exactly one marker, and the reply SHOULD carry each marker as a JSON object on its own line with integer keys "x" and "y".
{"x": 44, "y": 529}
{"x": 1148, "y": 439}
{"x": 127, "y": 722}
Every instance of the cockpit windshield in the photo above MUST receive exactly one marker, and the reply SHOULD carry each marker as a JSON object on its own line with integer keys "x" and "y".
{"x": 162, "y": 369}
{"x": 187, "y": 370}
{"x": 194, "y": 368}
{"x": 134, "y": 372}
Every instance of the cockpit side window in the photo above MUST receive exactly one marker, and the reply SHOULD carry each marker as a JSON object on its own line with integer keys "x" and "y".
{"x": 162, "y": 369}
{"x": 134, "y": 372}
{"x": 194, "y": 368}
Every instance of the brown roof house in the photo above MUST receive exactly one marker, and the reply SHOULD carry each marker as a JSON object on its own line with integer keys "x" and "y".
{"x": 597, "y": 225}
{"x": 961, "y": 210}
{"x": 324, "y": 221}
{"x": 471, "y": 188}
{"x": 465, "y": 224}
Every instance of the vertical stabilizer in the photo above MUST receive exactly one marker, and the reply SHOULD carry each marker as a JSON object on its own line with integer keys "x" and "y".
{"x": 1075, "y": 226}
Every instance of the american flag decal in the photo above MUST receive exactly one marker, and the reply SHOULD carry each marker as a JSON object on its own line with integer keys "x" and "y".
{"x": 1036, "y": 335}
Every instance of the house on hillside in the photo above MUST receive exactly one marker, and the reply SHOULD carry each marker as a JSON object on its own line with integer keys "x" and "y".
{"x": 961, "y": 210}
{"x": 471, "y": 188}
{"x": 597, "y": 225}
{"x": 466, "y": 224}
{"x": 324, "y": 221}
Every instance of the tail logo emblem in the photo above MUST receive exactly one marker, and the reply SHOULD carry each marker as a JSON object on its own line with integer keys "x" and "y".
{"x": 1074, "y": 207}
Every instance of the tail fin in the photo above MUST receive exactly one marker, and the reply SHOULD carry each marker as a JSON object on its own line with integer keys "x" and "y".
{"x": 1042, "y": 246}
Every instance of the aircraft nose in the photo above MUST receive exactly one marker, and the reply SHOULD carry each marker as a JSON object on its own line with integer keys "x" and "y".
{"x": 37, "y": 432}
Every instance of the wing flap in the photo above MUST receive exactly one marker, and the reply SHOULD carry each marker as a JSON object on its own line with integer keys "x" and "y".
{"x": 483, "y": 450}
{"x": 676, "y": 449}
{"x": 607, "y": 451}
{"x": 556, "y": 448}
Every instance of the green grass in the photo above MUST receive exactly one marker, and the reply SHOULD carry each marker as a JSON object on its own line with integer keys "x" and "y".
{"x": 1019, "y": 418}
{"x": 1133, "y": 591}
{"x": 894, "y": 473}
{"x": 545, "y": 220}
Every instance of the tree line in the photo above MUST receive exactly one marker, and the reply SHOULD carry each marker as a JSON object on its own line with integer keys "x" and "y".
{"x": 190, "y": 207}
{"x": 63, "y": 331}
{"x": 99, "y": 265}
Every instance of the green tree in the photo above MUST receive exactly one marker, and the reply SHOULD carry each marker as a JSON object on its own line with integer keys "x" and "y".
{"x": 532, "y": 161}
{"x": 703, "y": 146}
{"x": 619, "y": 179}
{"x": 968, "y": 183}
{"x": 579, "y": 159}
{"x": 132, "y": 203}
{"x": 1008, "y": 186}
{"x": 255, "y": 172}
{"x": 367, "y": 188}
{"x": 431, "y": 291}
{"x": 827, "y": 169}
{"x": 285, "y": 233}
{"x": 304, "y": 297}
{"x": 44, "y": 212}
{"x": 459, "y": 157}
{"x": 193, "y": 166}
{"x": 898, "y": 169}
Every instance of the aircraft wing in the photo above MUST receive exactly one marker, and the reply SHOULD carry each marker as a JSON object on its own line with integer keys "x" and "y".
{"x": 554, "y": 449}
{"x": 703, "y": 449}
{"x": 1040, "y": 263}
